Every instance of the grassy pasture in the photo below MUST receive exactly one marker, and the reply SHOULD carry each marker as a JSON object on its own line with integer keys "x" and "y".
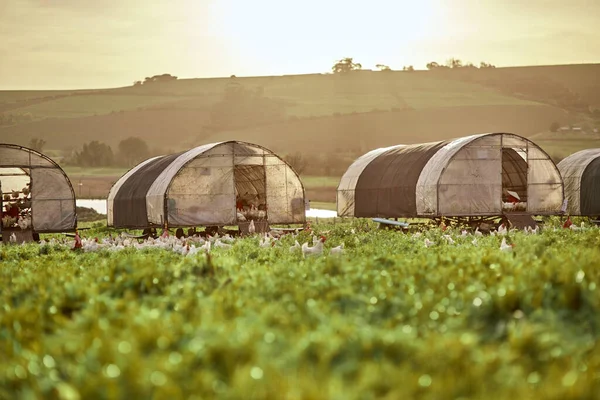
{"x": 13, "y": 96}
{"x": 304, "y": 95}
{"x": 561, "y": 145}
{"x": 91, "y": 104}
{"x": 320, "y": 181}
{"x": 96, "y": 172}
{"x": 389, "y": 319}
{"x": 96, "y": 183}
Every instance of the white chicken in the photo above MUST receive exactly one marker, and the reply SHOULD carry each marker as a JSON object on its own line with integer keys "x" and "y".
{"x": 337, "y": 250}
{"x": 251, "y": 227}
{"x": 24, "y": 222}
{"x": 316, "y": 250}
{"x": 206, "y": 246}
{"x": 577, "y": 228}
{"x": 428, "y": 243}
{"x": 193, "y": 250}
{"x": 266, "y": 241}
{"x": 213, "y": 238}
{"x": 227, "y": 239}
{"x": 502, "y": 230}
{"x": 295, "y": 247}
{"x": 478, "y": 232}
{"x": 222, "y": 245}
{"x": 449, "y": 239}
{"x": 13, "y": 238}
{"x": 505, "y": 246}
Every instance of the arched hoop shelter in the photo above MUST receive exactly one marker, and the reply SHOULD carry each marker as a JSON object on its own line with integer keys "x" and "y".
{"x": 581, "y": 175}
{"x": 205, "y": 186}
{"x": 478, "y": 175}
{"x": 38, "y": 187}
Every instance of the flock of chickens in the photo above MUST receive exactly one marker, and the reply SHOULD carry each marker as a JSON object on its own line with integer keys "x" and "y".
{"x": 17, "y": 209}
{"x": 190, "y": 245}
{"x": 501, "y": 231}
{"x": 197, "y": 244}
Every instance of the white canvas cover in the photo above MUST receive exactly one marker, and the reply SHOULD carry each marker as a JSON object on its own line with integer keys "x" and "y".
{"x": 544, "y": 184}
{"x": 155, "y": 199}
{"x": 347, "y": 186}
{"x": 199, "y": 187}
{"x": 202, "y": 192}
{"x": 52, "y": 206}
{"x": 471, "y": 182}
{"x": 427, "y": 185}
{"x": 572, "y": 169}
{"x": 52, "y": 196}
{"x": 285, "y": 193}
{"x": 468, "y": 176}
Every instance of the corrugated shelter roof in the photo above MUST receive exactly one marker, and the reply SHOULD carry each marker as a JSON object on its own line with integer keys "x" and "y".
{"x": 581, "y": 175}
{"x": 202, "y": 186}
{"x": 51, "y": 194}
{"x": 468, "y": 176}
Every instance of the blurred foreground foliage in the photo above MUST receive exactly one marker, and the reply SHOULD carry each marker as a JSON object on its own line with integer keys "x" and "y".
{"x": 388, "y": 319}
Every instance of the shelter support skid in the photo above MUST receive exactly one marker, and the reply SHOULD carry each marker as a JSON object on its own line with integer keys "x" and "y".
{"x": 22, "y": 235}
{"x": 520, "y": 220}
{"x": 388, "y": 223}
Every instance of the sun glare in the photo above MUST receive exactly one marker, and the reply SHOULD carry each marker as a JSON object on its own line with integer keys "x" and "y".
{"x": 319, "y": 31}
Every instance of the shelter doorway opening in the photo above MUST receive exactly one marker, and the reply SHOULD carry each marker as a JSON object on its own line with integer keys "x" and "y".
{"x": 251, "y": 192}
{"x": 514, "y": 179}
{"x": 15, "y": 189}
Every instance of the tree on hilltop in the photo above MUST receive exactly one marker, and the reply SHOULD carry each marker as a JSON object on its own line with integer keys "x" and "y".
{"x": 132, "y": 151}
{"x": 37, "y": 144}
{"x": 345, "y": 65}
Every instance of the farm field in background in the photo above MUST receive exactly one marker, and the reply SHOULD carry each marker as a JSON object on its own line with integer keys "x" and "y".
{"x": 91, "y": 104}
{"x": 114, "y": 172}
{"x": 459, "y": 320}
{"x": 562, "y": 144}
{"x": 303, "y": 95}
{"x": 95, "y": 183}
{"x": 332, "y": 113}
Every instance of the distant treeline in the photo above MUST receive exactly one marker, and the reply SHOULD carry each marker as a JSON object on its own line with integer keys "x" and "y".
{"x": 134, "y": 150}
{"x": 347, "y": 64}
{"x": 155, "y": 78}
{"x": 130, "y": 152}
{"x": 13, "y": 119}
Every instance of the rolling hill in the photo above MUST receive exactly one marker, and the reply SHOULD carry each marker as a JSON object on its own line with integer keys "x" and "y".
{"x": 309, "y": 113}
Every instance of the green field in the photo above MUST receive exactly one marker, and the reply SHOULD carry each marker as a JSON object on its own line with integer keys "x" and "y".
{"x": 94, "y": 172}
{"x": 320, "y": 181}
{"x": 303, "y": 95}
{"x": 318, "y": 115}
{"x": 560, "y": 145}
{"x": 13, "y": 96}
{"x": 91, "y": 104}
{"x": 390, "y": 318}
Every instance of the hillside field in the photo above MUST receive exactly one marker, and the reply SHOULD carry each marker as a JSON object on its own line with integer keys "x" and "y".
{"x": 389, "y": 318}
{"x": 360, "y": 110}
{"x": 327, "y": 119}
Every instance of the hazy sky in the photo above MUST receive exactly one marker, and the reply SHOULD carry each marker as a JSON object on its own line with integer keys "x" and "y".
{"x": 59, "y": 44}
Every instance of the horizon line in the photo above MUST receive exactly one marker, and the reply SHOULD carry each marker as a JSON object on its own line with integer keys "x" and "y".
{"x": 285, "y": 75}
